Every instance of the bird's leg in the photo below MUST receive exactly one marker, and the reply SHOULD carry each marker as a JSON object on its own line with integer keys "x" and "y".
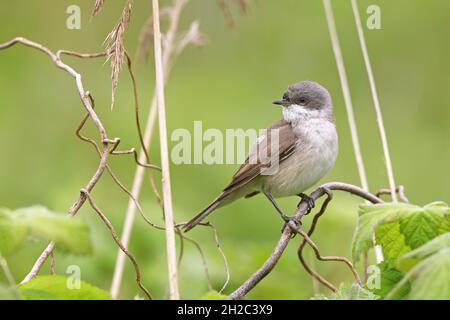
{"x": 272, "y": 200}
{"x": 309, "y": 201}
{"x": 285, "y": 217}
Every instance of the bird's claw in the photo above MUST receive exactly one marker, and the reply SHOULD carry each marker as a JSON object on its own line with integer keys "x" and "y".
{"x": 287, "y": 221}
{"x": 310, "y": 201}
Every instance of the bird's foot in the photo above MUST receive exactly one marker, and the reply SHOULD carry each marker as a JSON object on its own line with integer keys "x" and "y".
{"x": 310, "y": 201}
{"x": 287, "y": 224}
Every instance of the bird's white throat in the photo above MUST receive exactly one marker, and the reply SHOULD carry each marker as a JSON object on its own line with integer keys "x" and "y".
{"x": 295, "y": 113}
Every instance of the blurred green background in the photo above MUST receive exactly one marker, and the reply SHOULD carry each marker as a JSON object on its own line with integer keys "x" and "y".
{"x": 229, "y": 83}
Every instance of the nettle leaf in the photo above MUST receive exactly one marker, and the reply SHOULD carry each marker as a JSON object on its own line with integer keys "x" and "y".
{"x": 409, "y": 260}
{"x": 392, "y": 240}
{"x": 69, "y": 234}
{"x": 398, "y": 227}
{"x": 214, "y": 295}
{"x": 370, "y": 216}
{"x": 60, "y": 288}
{"x": 430, "y": 279}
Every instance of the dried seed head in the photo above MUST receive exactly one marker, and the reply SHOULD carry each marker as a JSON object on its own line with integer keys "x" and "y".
{"x": 115, "y": 45}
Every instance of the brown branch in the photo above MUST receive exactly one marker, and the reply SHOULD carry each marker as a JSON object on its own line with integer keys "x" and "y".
{"x": 400, "y": 190}
{"x": 52, "y": 263}
{"x": 308, "y": 240}
{"x": 287, "y": 234}
{"x": 328, "y": 258}
{"x": 222, "y": 253}
{"x": 84, "y": 96}
{"x": 117, "y": 241}
{"x": 181, "y": 235}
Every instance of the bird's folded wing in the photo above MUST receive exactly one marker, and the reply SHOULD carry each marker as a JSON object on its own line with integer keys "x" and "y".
{"x": 254, "y": 165}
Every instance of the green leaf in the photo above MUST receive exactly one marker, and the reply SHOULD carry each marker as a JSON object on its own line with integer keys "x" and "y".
{"x": 349, "y": 292}
{"x": 8, "y": 293}
{"x": 214, "y": 295}
{"x": 399, "y": 227}
{"x": 69, "y": 234}
{"x": 370, "y": 216}
{"x": 12, "y": 232}
{"x": 430, "y": 279}
{"x": 389, "y": 277}
{"x": 391, "y": 240}
{"x": 410, "y": 259}
{"x": 58, "y": 288}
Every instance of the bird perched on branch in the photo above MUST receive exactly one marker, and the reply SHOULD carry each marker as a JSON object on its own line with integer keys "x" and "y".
{"x": 301, "y": 149}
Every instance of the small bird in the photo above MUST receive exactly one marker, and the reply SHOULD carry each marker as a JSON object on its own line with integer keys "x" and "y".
{"x": 307, "y": 149}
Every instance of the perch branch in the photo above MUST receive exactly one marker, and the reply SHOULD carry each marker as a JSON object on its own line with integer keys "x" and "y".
{"x": 286, "y": 236}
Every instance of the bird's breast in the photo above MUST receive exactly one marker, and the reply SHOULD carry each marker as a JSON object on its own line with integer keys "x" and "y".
{"x": 315, "y": 154}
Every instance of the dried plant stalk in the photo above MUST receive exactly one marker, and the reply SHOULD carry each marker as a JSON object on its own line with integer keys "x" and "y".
{"x": 167, "y": 193}
{"x": 171, "y": 51}
{"x": 348, "y": 104}
{"x": 97, "y": 7}
{"x": 376, "y": 102}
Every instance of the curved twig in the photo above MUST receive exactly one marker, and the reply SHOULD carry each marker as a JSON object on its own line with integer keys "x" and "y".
{"x": 117, "y": 241}
{"x": 400, "y": 190}
{"x": 270, "y": 263}
{"x": 102, "y": 132}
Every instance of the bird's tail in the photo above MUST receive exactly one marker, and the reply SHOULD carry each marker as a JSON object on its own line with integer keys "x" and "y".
{"x": 204, "y": 213}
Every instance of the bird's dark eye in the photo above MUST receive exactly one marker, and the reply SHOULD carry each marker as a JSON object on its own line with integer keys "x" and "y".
{"x": 302, "y": 100}
{"x": 285, "y": 96}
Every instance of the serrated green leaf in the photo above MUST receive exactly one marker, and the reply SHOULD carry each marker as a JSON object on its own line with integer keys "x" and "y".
{"x": 69, "y": 234}
{"x": 214, "y": 295}
{"x": 421, "y": 226}
{"x": 370, "y": 216}
{"x": 57, "y": 288}
{"x": 430, "y": 279}
{"x": 391, "y": 240}
{"x": 406, "y": 262}
{"x": 399, "y": 227}
{"x": 433, "y": 282}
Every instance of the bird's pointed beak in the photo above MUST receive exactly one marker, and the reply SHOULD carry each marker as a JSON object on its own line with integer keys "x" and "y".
{"x": 282, "y": 102}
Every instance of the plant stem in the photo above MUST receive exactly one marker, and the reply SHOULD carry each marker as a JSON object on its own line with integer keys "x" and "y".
{"x": 167, "y": 194}
{"x": 376, "y": 101}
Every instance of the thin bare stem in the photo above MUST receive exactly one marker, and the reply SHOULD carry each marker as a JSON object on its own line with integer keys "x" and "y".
{"x": 400, "y": 190}
{"x": 119, "y": 244}
{"x": 202, "y": 256}
{"x": 314, "y": 274}
{"x": 376, "y": 101}
{"x": 9, "y": 277}
{"x": 330, "y": 258}
{"x": 224, "y": 257}
{"x": 167, "y": 198}
{"x": 52, "y": 263}
{"x": 84, "y": 96}
{"x": 168, "y": 55}
{"x": 348, "y": 102}
{"x": 346, "y": 92}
